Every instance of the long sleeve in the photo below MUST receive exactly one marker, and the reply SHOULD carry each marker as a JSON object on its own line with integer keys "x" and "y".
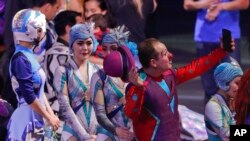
{"x": 134, "y": 101}
{"x": 199, "y": 66}
{"x": 213, "y": 111}
{"x": 21, "y": 69}
{"x": 65, "y": 107}
{"x": 99, "y": 104}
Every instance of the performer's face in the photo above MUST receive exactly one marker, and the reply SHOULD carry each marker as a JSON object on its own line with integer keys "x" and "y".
{"x": 109, "y": 47}
{"x": 164, "y": 58}
{"x": 82, "y": 49}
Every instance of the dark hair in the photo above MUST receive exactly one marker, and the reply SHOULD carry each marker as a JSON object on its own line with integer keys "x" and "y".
{"x": 100, "y": 21}
{"x": 40, "y": 3}
{"x": 63, "y": 19}
{"x": 146, "y": 51}
{"x": 102, "y": 4}
{"x": 111, "y": 20}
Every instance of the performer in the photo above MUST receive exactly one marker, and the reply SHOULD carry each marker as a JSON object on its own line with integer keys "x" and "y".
{"x": 28, "y": 79}
{"x": 108, "y": 94}
{"x": 72, "y": 85}
{"x": 151, "y": 98}
{"x": 219, "y": 111}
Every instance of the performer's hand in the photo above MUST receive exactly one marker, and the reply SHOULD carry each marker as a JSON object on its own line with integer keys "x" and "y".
{"x": 232, "y": 45}
{"x": 93, "y": 138}
{"x": 124, "y": 133}
{"x": 54, "y": 122}
{"x": 134, "y": 78}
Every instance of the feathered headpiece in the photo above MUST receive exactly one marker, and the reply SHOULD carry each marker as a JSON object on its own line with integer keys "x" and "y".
{"x": 82, "y": 31}
{"x": 117, "y": 35}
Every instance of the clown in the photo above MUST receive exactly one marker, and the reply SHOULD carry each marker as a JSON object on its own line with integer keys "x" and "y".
{"x": 151, "y": 98}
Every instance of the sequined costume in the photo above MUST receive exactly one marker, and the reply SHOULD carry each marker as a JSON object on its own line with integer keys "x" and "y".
{"x": 23, "y": 84}
{"x": 153, "y": 107}
{"x": 77, "y": 110}
{"x": 111, "y": 114}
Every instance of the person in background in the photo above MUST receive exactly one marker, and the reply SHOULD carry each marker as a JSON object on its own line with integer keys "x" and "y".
{"x": 108, "y": 94}
{"x": 133, "y": 14}
{"x": 212, "y": 17}
{"x": 59, "y": 53}
{"x": 151, "y": 97}
{"x": 28, "y": 79}
{"x": 92, "y": 7}
{"x": 101, "y": 29}
{"x": 72, "y": 85}
{"x": 73, "y": 5}
{"x": 242, "y": 101}
{"x": 49, "y": 8}
{"x": 220, "y": 111}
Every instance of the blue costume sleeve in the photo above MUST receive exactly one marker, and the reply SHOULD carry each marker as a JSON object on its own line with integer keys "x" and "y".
{"x": 21, "y": 69}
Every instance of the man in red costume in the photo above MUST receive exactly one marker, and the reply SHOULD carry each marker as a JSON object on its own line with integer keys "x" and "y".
{"x": 151, "y": 98}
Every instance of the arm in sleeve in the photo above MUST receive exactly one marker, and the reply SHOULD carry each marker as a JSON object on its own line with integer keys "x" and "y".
{"x": 199, "y": 66}
{"x": 21, "y": 69}
{"x": 61, "y": 88}
{"x": 213, "y": 111}
{"x": 99, "y": 104}
{"x": 134, "y": 101}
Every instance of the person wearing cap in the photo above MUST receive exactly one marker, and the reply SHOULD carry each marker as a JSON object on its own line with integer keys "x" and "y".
{"x": 28, "y": 79}
{"x": 242, "y": 101}
{"x": 151, "y": 97}
{"x": 72, "y": 85}
{"x": 108, "y": 92}
{"x": 219, "y": 111}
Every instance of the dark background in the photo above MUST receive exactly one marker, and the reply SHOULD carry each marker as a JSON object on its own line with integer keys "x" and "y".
{"x": 171, "y": 18}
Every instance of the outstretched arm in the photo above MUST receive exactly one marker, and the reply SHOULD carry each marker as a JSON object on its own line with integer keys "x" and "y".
{"x": 199, "y": 66}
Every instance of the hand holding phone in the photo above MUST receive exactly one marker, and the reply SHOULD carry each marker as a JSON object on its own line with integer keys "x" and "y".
{"x": 226, "y": 40}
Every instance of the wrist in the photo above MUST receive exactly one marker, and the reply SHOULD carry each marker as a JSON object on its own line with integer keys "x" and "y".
{"x": 221, "y": 6}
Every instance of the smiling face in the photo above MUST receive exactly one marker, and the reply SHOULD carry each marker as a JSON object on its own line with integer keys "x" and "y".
{"x": 92, "y": 7}
{"x": 82, "y": 49}
{"x": 163, "y": 61}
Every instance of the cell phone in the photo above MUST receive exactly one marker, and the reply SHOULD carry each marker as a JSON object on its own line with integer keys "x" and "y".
{"x": 226, "y": 39}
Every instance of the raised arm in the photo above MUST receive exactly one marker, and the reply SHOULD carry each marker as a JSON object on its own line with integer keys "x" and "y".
{"x": 199, "y": 66}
